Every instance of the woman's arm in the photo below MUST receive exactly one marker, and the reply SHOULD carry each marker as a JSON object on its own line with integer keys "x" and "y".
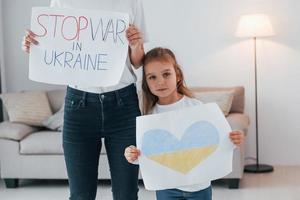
{"x": 136, "y": 46}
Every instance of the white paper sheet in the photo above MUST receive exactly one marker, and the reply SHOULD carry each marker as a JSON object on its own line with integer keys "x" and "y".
{"x": 78, "y": 47}
{"x": 184, "y": 147}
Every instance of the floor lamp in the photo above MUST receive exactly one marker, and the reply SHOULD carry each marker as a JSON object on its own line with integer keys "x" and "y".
{"x": 254, "y": 26}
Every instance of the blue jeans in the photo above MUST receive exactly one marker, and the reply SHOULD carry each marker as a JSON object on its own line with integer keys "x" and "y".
{"x": 175, "y": 194}
{"x": 89, "y": 117}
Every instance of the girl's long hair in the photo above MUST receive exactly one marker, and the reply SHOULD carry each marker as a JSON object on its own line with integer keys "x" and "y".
{"x": 166, "y": 56}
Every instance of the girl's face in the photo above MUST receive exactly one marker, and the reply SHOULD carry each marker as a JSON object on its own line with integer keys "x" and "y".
{"x": 162, "y": 81}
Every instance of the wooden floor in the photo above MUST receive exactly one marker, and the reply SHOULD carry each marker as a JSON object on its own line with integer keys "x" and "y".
{"x": 282, "y": 184}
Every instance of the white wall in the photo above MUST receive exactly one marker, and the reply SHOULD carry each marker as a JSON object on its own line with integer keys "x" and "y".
{"x": 16, "y": 18}
{"x": 202, "y": 35}
{"x": 2, "y": 69}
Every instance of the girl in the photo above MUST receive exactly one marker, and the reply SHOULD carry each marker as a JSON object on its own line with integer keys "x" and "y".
{"x": 164, "y": 90}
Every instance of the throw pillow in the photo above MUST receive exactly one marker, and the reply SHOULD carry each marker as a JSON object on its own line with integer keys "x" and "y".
{"x": 55, "y": 122}
{"x": 222, "y": 98}
{"x": 30, "y": 108}
{"x": 15, "y": 131}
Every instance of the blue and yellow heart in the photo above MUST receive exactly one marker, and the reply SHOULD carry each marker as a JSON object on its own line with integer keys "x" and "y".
{"x": 197, "y": 143}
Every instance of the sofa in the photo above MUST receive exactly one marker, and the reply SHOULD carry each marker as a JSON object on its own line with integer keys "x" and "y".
{"x": 38, "y": 154}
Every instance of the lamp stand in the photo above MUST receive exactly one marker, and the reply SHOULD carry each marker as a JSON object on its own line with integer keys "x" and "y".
{"x": 1, "y": 104}
{"x": 257, "y": 168}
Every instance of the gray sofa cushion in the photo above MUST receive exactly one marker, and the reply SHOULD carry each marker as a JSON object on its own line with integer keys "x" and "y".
{"x": 30, "y": 107}
{"x": 45, "y": 143}
{"x": 15, "y": 131}
{"x": 42, "y": 142}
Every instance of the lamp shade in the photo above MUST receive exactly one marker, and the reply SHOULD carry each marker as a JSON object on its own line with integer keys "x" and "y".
{"x": 254, "y": 25}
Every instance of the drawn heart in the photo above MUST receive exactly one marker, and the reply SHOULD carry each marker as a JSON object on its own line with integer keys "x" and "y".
{"x": 197, "y": 143}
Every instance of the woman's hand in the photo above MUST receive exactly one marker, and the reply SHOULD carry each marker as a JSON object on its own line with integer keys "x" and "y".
{"x": 136, "y": 46}
{"x": 134, "y": 37}
{"x": 28, "y": 39}
{"x": 131, "y": 153}
{"x": 237, "y": 137}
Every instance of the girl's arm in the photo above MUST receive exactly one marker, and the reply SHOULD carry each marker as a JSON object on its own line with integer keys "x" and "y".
{"x": 136, "y": 46}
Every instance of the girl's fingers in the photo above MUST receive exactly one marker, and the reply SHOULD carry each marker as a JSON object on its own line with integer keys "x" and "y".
{"x": 130, "y": 148}
{"x": 237, "y": 142}
{"x": 236, "y": 134}
{"x": 237, "y": 137}
{"x": 131, "y": 151}
{"x": 134, "y": 153}
{"x": 131, "y": 157}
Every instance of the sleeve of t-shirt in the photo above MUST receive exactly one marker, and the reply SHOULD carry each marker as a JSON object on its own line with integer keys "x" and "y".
{"x": 139, "y": 19}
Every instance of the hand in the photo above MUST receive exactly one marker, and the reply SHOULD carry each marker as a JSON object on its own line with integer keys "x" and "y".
{"x": 237, "y": 137}
{"x": 134, "y": 37}
{"x": 28, "y": 39}
{"x": 131, "y": 153}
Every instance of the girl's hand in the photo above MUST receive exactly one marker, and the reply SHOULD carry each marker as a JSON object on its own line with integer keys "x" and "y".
{"x": 134, "y": 37}
{"x": 237, "y": 137}
{"x": 131, "y": 153}
{"x": 28, "y": 39}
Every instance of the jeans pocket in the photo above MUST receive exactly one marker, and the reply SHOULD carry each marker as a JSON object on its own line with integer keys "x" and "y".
{"x": 73, "y": 103}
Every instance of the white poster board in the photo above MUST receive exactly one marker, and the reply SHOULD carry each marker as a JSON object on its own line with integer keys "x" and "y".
{"x": 78, "y": 47}
{"x": 184, "y": 147}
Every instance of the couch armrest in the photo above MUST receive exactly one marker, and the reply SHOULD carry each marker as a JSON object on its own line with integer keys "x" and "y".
{"x": 238, "y": 121}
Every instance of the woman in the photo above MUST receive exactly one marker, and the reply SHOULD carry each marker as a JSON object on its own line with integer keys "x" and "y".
{"x": 102, "y": 112}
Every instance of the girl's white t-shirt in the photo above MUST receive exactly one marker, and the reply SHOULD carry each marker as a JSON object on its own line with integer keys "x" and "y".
{"x": 184, "y": 102}
{"x": 136, "y": 16}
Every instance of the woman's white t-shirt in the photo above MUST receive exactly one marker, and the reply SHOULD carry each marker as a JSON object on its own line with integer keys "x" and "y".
{"x": 136, "y": 16}
{"x": 182, "y": 103}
